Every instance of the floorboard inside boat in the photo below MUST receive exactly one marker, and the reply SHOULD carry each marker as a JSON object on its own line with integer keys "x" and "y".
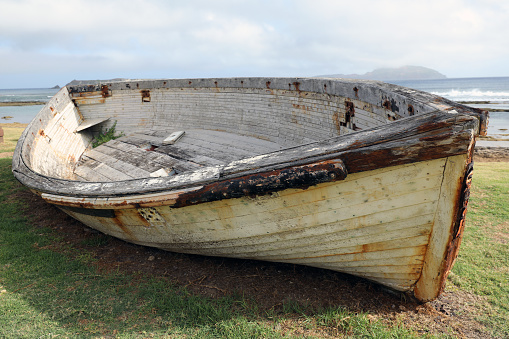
{"x": 143, "y": 154}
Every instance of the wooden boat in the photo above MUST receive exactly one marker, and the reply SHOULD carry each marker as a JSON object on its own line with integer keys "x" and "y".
{"x": 355, "y": 176}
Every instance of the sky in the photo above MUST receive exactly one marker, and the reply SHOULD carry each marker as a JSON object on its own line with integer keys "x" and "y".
{"x": 51, "y": 42}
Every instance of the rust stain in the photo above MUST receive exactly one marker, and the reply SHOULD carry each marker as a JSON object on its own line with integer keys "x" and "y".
{"x": 349, "y": 114}
{"x": 483, "y": 118}
{"x": 123, "y": 227}
{"x": 337, "y": 121}
{"x": 302, "y": 107}
{"x": 390, "y": 105}
{"x": 52, "y": 109}
{"x": 143, "y": 221}
{"x": 145, "y": 95}
{"x": 350, "y": 108}
{"x": 105, "y": 92}
{"x": 267, "y": 84}
{"x": 356, "y": 90}
{"x": 41, "y": 133}
{"x": 297, "y": 86}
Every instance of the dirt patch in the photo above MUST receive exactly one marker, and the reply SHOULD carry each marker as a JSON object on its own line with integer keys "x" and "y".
{"x": 6, "y": 154}
{"x": 270, "y": 285}
{"x": 501, "y": 233}
{"x": 491, "y": 154}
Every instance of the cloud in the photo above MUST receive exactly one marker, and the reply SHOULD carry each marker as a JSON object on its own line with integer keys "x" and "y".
{"x": 154, "y": 38}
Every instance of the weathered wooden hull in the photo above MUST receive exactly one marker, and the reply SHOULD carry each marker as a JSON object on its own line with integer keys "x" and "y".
{"x": 386, "y": 204}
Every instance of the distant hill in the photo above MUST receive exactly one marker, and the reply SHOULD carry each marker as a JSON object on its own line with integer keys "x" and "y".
{"x": 92, "y": 82}
{"x": 400, "y": 73}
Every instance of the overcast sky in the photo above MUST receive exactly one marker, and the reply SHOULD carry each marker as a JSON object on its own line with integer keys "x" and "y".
{"x": 49, "y": 42}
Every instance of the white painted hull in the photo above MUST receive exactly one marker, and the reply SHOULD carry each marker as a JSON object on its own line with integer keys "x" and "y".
{"x": 377, "y": 224}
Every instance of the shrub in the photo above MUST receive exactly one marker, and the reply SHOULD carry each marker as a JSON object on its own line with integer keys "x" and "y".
{"x": 107, "y": 135}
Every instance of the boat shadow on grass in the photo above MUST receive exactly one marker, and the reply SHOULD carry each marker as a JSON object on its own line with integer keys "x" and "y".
{"x": 75, "y": 274}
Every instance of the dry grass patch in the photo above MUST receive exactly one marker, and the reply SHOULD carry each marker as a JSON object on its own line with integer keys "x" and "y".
{"x": 501, "y": 234}
{"x": 12, "y": 132}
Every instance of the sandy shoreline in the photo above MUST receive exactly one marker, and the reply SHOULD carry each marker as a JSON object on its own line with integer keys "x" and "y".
{"x": 12, "y": 124}
{"x": 21, "y": 103}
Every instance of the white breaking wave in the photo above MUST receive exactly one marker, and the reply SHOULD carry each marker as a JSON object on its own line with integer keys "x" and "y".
{"x": 473, "y": 95}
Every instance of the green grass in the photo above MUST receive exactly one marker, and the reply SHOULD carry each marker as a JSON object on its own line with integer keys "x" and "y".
{"x": 44, "y": 293}
{"x": 482, "y": 267}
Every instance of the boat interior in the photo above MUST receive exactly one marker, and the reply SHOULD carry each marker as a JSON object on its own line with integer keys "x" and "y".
{"x": 146, "y": 154}
{"x": 170, "y": 128}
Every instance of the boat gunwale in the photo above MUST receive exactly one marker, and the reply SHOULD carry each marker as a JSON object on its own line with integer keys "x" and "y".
{"x": 334, "y": 148}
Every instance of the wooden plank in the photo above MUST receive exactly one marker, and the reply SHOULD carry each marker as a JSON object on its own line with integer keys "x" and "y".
{"x": 148, "y": 159}
{"x": 261, "y": 221}
{"x": 413, "y": 254}
{"x": 103, "y": 169}
{"x": 90, "y": 174}
{"x": 193, "y": 154}
{"x": 184, "y": 150}
{"x": 232, "y": 147}
{"x": 247, "y": 143}
{"x": 218, "y": 152}
{"x": 111, "y": 173}
{"x": 140, "y": 139}
{"x": 125, "y": 167}
{"x": 133, "y": 158}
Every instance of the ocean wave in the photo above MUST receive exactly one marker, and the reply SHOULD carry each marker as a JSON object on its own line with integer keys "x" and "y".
{"x": 473, "y": 94}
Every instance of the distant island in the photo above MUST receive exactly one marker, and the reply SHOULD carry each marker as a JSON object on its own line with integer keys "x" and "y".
{"x": 55, "y": 87}
{"x": 92, "y": 82}
{"x": 399, "y": 73}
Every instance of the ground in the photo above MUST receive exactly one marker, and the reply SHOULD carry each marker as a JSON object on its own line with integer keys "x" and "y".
{"x": 491, "y": 154}
{"x": 268, "y": 284}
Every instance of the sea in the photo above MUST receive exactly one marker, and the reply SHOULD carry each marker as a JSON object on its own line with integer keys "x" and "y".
{"x": 490, "y": 93}
{"x": 23, "y": 114}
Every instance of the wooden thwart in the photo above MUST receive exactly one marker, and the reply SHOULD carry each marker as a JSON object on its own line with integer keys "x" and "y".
{"x": 90, "y": 123}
